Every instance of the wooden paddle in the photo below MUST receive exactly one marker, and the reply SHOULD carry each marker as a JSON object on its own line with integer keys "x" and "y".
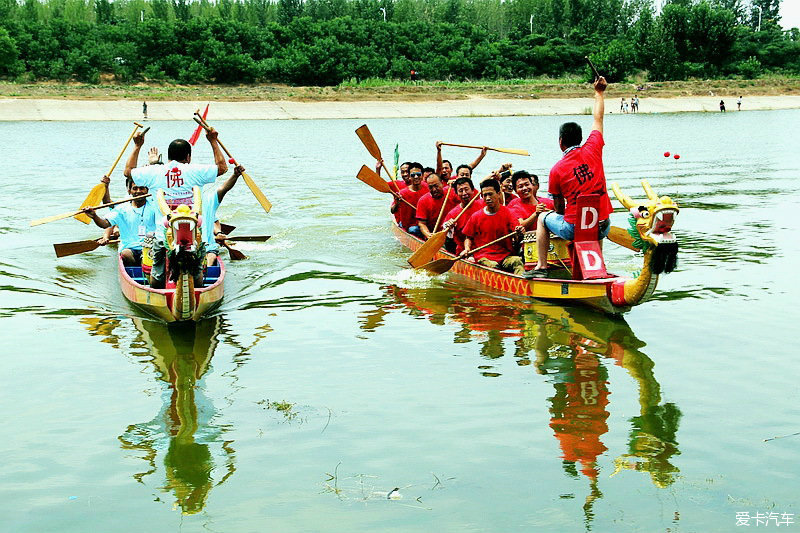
{"x": 236, "y": 255}
{"x": 440, "y": 266}
{"x": 621, "y": 236}
{"x": 248, "y": 238}
{"x": 428, "y": 250}
{"x": 503, "y": 150}
{"x": 95, "y": 195}
{"x": 78, "y": 247}
{"x": 372, "y": 147}
{"x": 247, "y": 179}
{"x": 371, "y": 178}
{"x": 227, "y": 229}
{"x": 591, "y": 65}
{"x": 73, "y": 213}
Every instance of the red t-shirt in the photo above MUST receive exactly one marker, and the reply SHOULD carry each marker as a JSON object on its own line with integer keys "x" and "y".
{"x": 483, "y": 228}
{"x": 458, "y": 229}
{"x": 428, "y": 209}
{"x": 523, "y": 210}
{"x": 508, "y": 197}
{"x": 580, "y": 172}
{"x": 405, "y": 215}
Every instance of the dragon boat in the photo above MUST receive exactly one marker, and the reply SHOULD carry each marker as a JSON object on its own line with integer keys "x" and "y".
{"x": 581, "y": 279}
{"x": 183, "y": 298}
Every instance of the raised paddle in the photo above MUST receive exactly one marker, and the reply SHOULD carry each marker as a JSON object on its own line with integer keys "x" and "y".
{"x": 95, "y": 195}
{"x": 503, "y": 150}
{"x": 78, "y": 247}
{"x": 247, "y": 179}
{"x": 621, "y": 236}
{"x": 371, "y": 178}
{"x": 428, "y": 250}
{"x": 440, "y": 266}
{"x": 591, "y": 65}
{"x": 372, "y": 147}
{"x": 73, "y": 213}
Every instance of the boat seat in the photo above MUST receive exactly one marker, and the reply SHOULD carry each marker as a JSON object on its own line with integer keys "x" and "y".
{"x": 136, "y": 275}
{"x": 212, "y": 275}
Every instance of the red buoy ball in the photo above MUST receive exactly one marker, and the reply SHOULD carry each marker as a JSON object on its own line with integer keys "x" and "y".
{"x": 666, "y": 154}
{"x": 676, "y": 156}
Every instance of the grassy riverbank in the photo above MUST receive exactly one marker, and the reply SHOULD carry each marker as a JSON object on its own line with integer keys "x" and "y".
{"x": 389, "y": 90}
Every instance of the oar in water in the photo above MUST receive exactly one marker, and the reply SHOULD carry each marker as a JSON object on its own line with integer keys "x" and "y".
{"x": 440, "y": 266}
{"x": 428, "y": 250}
{"x": 95, "y": 195}
{"x": 247, "y": 179}
{"x": 371, "y": 178}
{"x": 73, "y": 213}
{"x": 248, "y": 238}
{"x": 503, "y": 150}
{"x": 78, "y": 247}
{"x": 235, "y": 254}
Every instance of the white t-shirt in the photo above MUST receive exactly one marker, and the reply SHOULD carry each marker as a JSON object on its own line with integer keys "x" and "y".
{"x": 177, "y": 179}
{"x": 133, "y": 223}
{"x": 210, "y": 205}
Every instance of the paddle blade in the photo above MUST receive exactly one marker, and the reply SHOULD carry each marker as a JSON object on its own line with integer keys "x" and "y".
{"x": 371, "y": 178}
{"x": 427, "y": 251}
{"x": 511, "y": 151}
{"x": 71, "y": 248}
{"x": 440, "y": 266}
{"x": 369, "y": 141}
{"x": 249, "y": 238}
{"x": 227, "y": 229}
{"x": 95, "y": 197}
{"x": 620, "y": 236}
{"x": 236, "y": 255}
{"x": 257, "y": 193}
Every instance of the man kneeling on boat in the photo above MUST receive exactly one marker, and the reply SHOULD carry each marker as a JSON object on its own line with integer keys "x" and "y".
{"x": 579, "y": 172}
{"x": 490, "y": 223}
{"x": 134, "y": 220}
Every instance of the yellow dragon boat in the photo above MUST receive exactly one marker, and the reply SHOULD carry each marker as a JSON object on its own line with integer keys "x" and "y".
{"x": 651, "y": 232}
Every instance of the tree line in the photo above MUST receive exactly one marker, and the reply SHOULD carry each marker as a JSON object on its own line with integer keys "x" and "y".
{"x": 326, "y": 42}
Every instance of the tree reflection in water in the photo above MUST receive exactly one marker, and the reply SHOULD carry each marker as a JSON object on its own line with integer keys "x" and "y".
{"x": 570, "y": 346}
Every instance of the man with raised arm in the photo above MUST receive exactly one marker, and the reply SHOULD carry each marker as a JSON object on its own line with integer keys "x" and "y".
{"x": 579, "y": 172}
{"x": 179, "y": 174}
{"x": 444, "y": 171}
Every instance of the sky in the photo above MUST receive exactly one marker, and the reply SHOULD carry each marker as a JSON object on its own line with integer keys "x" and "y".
{"x": 790, "y": 14}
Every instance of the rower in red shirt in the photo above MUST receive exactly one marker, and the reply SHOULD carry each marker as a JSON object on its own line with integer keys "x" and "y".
{"x": 404, "y": 214}
{"x": 528, "y": 206}
{"x": 580, "y": 171}
{"x": 430, "y": 205}
{"x": 465, "y": 192}
{"x": 444, "y": 172}
{"x": 490, "y": 223}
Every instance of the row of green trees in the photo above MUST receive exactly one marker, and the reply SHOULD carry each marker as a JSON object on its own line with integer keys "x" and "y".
{"x": 324, "y": 42}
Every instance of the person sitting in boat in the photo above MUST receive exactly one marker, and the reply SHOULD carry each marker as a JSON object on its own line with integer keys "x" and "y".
{"x": 404, "y": 213}
{"x": 444, "y": 173}
{"x": 211, "y": 229}
{"x": 506, "y": 184}
{"x": 490, "y": 223}
{"x": 528, "y": 206}
{"x": 134, "y": 220}
{"x": 179, "y": 174}
{"x": 438, "y": 200}
{"x": 465, "y": 191}
{"x": 579, "y": 172}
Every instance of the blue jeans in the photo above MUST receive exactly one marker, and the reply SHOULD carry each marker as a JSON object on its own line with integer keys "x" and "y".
{"x": 558, "y": 226}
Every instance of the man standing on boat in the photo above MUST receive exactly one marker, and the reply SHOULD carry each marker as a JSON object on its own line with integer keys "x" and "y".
{"x": 179, "y": 175}
{"x": 579, "y": 172}
{"x": 490, "y": 223}
{"x": 134, "y": 220}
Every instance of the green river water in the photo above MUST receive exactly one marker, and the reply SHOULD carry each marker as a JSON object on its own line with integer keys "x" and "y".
{"x": 332, "y": 375}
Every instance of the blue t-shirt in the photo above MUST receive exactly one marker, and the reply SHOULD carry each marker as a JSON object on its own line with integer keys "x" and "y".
{"x": 210, "y": 205}
{"x": 133, "y": 223}
{"x": 177, "y": 179}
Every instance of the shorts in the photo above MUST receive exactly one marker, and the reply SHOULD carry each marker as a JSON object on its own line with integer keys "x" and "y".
{"x": 137, "y": 254}
{"x": 561, "y": 228}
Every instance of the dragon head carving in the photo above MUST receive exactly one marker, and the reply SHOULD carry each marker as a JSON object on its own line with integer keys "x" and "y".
{"x": 651, "y": 226}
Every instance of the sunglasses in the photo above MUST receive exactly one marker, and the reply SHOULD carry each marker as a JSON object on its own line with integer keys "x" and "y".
{"x": 415, "y": 174}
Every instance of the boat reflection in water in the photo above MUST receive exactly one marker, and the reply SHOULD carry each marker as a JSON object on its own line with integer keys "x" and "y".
{"x": 571, "y": 346}
{"x": 185, "y": 433}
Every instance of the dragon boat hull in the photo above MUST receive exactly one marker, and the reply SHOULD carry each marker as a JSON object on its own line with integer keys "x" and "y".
{"x": 163, "y": 304}
{"x": 596, "y": 293}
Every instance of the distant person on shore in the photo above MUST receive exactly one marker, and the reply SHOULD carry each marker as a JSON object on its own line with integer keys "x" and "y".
{"x": 636, "y": 99}
{"x": 622, "y": 105}
{"x": 739, "y": 104}
{"x": 144, "y": 109}
{"x": 579, "y": 172}
{"x": 722, "y": 106}
{"x": 413, "y": 75}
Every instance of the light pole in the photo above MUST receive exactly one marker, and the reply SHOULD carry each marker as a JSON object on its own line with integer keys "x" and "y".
{"x": 759, "y": 17}
{"x": 531, "y": 24}
{"x": 383, "y": 10}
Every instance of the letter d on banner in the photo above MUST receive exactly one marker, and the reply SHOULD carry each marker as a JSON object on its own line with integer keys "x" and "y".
{"x": 588, "y": 217}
